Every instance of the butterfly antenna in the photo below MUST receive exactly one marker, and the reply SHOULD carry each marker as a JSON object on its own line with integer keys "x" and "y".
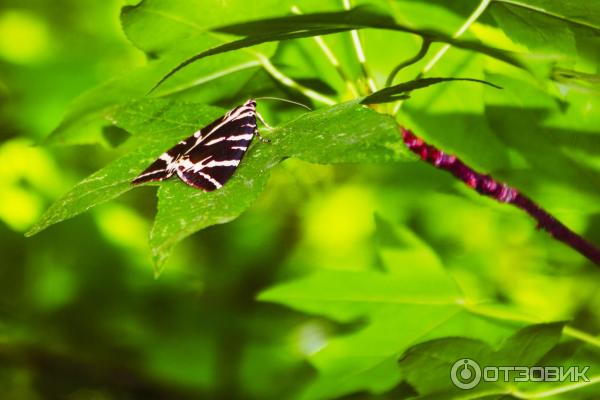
{"x": 284, "y": 100}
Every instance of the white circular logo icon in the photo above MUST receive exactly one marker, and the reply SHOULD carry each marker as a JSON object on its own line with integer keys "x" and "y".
{"x": 465, "y": 374}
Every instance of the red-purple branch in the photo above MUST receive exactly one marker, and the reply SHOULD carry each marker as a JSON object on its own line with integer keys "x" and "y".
{"x": 488, "y": 186}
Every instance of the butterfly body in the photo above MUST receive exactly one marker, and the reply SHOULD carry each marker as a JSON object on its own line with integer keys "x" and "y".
{"x": 208, "y": 158}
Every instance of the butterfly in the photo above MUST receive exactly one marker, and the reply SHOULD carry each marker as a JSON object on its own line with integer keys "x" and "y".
{"x": 207, "y": 159}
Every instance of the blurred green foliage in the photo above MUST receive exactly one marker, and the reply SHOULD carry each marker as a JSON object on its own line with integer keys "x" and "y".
{"x": 356, "y": 280}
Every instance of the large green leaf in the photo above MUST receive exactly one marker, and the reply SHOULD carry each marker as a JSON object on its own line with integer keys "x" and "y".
{"x": 174, "y": 31}
{"x": 584, "y": 14}
{"x": 566, "y": 29}
{"x": 151, "y": 137}
{"x": 529, "y": 121}
{"x": 155, "y": 26}
{"x": 220, "y": 77}
{"x": 344, "y": 133}
{"x": 317, "y": 24}
{"x": 356, "y": 18}
{"x": 427, "y": 365}
{"x": 348, "y": 132}
{"x": 413, "y": 300}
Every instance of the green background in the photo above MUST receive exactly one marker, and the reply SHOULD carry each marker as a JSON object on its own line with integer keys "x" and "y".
{"x": 354, "y": 271}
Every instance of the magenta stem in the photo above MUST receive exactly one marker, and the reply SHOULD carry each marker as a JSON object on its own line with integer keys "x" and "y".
{"x": 488, "y": 186}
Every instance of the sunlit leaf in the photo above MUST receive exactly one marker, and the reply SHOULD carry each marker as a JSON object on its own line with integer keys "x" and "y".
{"x": 401, "y": 90}
{"x": 115, "y": 179}
{"x": 349, "y": 132}
{"x": 317, "y": 24}
{"x": 565, "y": 29}
{"x": 518, "y": 116}
{"x": 400, "y": 307}
{"x": 174, "y": 32}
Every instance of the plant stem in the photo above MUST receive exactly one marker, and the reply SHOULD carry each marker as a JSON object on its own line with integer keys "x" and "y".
{"x": 466, "y": 25}
{"x": 422, "y": 52}
{"x": 511, "y": 316}
{"x": 332, "y": 59}
{"x": 472, "y": 18}
{"x": 487, "y": 186}
{"x": 583, "y": 336}
{"x": 289, "y": 82}
{"x": 211, "y": 77}
{"x": 360, "y": 54}
{"x": 555, "y": 390}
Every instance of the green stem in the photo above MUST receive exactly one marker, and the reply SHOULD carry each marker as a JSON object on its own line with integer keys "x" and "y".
{"x": 422, "y": 52}
{"x": 332, "y": 59}
{"x": 472, "y": 18}
{"x": 281, "y": 77}
{"x": 583, "y": 336}
{"x": 509, "y": 316}
{"x": 289, "y": 82}
{"x": 360, "y": 54}
{"x": 466, "y": 25}
{"x": 555, "y": 390}
{"x": 211, "y": 77}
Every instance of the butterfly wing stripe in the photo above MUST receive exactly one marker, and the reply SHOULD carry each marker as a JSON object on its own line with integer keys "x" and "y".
{"x": 165, "y": 165}
{"x": 187, "y": 165}
{"x": 210, "y": 179}
{"x": 247, "y": 110}
{"x": 248, "y": 136}
{"x": 152, "y": 176}
{"x": 217, "y": 140}
{"x": 214, "y": 163}
{"x": 166, "y": 157}
{"x": 231, "y": 118}
{"x": 199, "y": 180}
{"x": 210, "y": 133}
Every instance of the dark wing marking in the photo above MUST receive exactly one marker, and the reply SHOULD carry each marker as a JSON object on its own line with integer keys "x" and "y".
{"x": 208, "y": 158}
{"x": 211, "y": 164}
{"x": 164, "y": 166}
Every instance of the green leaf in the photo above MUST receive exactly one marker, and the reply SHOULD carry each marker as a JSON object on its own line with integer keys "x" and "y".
{"x": 153, "y": 133}
{"x": 219, "y": 77}
{"x": 241, "y": 44}
{"x": 318, "y": 24}
{"x": 356, "y": 18}
{"x": 577, "y": 13}
{"x": 364, "y": 16}
{"x": 174, "y": 31}
{"x": 157, "y": 26}
{"x": 347, "y": 132}
{"x": 565, "y": 29}
{"x": 538, "y": 32}
{"x": 413, "y": 300}
{"x": 452, "y": 116}
{"x": 426, "y": 366}
{"x": 521, "y": 115}
{"x": 401, "y": 90}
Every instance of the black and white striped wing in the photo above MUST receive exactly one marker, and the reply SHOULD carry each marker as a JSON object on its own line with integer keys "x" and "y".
{"x": 208, "y": 158}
